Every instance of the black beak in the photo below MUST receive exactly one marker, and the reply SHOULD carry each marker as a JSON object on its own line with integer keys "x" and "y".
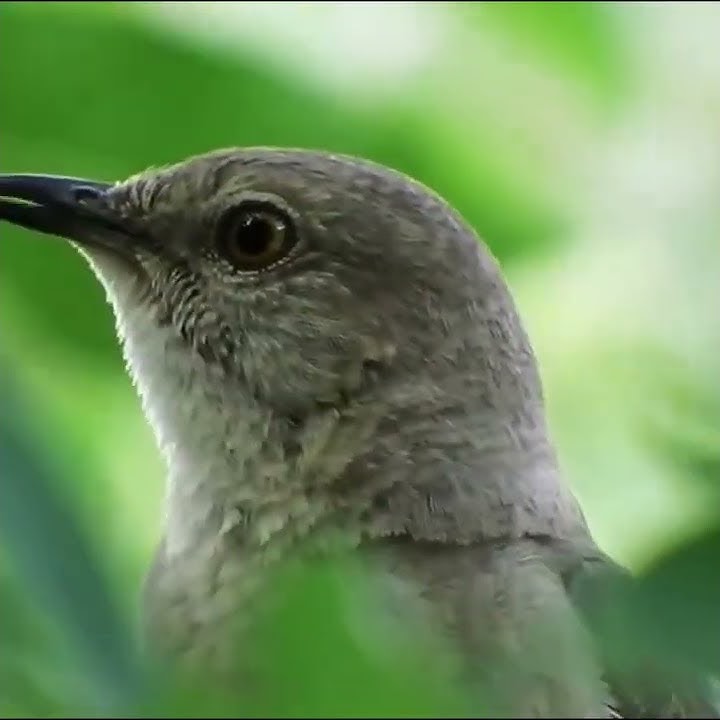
{"x": 67, "y": 207}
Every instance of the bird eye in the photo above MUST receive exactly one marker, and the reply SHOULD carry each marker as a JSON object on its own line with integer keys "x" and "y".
{"x": 255, "y": 235}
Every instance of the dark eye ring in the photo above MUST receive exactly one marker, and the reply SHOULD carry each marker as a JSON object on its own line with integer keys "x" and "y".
{"x": 255, "y": 235}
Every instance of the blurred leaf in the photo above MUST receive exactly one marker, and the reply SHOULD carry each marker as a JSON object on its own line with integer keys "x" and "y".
{"x": 680, "y": 597}
{"x": 658, "y": 631}
{"x": 47, "y": 552}
{"x": 28, "y": 654}
{"x": 322, "y": 649}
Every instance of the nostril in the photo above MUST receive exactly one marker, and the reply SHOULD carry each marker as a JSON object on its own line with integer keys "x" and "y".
{"x": 85, "y": 193}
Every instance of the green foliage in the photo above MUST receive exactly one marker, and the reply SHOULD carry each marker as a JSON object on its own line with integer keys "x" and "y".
{"x": 61, "y": 577}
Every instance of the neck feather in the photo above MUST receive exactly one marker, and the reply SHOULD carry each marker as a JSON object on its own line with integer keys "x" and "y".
{"x": 435, "y": 464}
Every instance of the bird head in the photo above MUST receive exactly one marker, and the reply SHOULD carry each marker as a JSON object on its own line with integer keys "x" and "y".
{"x": 295, "y": 291}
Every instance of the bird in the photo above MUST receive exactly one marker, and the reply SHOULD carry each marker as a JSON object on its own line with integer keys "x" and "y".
{"x": 329, "y": 355}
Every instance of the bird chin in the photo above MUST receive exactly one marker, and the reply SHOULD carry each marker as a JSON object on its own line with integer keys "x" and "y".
{"x": 122, "y": 276}
{"x": 107, "y": 262}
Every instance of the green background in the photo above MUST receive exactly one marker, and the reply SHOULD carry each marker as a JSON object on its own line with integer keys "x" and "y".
{"x": 580, "y": 139}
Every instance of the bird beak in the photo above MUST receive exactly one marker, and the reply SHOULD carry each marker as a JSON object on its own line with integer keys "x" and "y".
{"x": 71, "y": 208}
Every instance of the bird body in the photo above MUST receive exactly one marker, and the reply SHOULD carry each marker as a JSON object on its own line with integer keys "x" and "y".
{"x": 330, "y": 357}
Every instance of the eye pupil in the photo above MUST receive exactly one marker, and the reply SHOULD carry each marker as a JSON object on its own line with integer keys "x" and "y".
{"x": 254, "y": 235}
